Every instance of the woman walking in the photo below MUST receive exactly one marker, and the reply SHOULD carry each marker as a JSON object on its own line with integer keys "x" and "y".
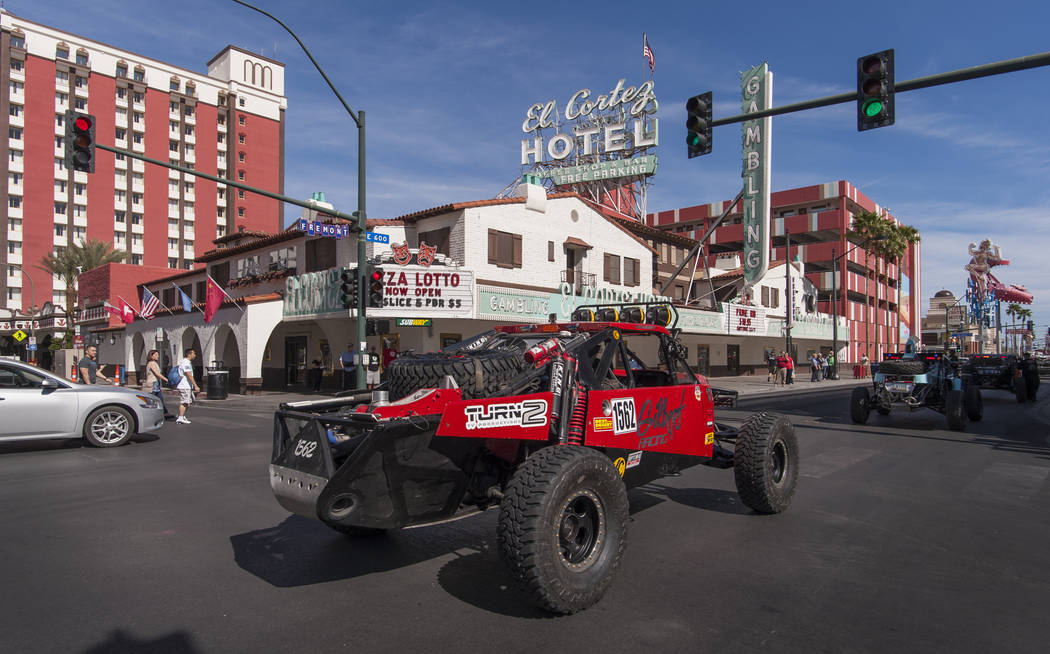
{"x": 154, "y": 379}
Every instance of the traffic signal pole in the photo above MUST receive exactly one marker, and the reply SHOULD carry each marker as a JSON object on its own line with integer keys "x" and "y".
{"x": 961, "y": 75}
{"x": 360, "y": 216}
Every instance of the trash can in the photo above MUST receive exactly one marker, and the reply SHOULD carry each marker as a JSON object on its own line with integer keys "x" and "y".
{"x": 218, "y": 381}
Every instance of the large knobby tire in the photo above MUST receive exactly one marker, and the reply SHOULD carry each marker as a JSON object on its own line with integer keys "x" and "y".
{"x": 902, "y": 367}
{"x": 480, "y": 374}
{"x": 955, "y": 410}
{"x": 1020, "y": 388}
{"x": 974, "y": 403}
{"x": 563, "y": 526}
{"x": 860, "y": 405}
{"x": 766, "y": 463}
{"x": 109, "y": 426}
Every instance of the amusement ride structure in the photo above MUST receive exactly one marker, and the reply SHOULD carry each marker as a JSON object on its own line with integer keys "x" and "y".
{"x": 984, "y": 291}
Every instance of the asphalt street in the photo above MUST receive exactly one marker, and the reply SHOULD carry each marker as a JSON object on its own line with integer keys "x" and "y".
{"x": 903, "y": 536}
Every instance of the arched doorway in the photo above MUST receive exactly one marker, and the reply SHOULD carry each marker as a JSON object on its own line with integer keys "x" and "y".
{"x": 138, "y": 357}
{"x": 191, "y": 339}
{"x": 228, "y": 353}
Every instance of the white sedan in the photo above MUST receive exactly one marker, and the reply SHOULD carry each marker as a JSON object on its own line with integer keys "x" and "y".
{"x": 35, "y": 403}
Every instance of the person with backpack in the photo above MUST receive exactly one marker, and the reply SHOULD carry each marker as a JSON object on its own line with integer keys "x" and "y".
{"x": 186, "y": 384}
{"x": 154, "y": 381}
{"x": 372, "y": 375}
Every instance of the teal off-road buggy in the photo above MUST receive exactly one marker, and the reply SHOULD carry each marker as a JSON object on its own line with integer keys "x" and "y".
{"x": 915, "y": 380}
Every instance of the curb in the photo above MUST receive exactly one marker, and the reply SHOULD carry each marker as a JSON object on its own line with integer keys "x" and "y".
{"x": 800, "y": 391}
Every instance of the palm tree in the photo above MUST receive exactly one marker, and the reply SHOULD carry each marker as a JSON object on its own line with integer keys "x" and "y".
{"x": 867, "y": 229}
{"x": 1013, "y": 310}
{"x": 1023, "y": 315}
{"x": 900, "y": 238}
{"x": 66, "y": 264}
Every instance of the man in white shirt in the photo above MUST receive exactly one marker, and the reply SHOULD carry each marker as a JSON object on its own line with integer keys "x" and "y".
{"x": 187, "y": 385}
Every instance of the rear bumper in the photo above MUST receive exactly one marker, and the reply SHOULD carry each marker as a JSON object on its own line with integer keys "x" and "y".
{"x": 383, "y": 475}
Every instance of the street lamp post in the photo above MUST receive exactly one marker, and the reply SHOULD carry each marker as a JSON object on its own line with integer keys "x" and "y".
{"x": 32, "y": 313}
{"x": 359, "y": 120}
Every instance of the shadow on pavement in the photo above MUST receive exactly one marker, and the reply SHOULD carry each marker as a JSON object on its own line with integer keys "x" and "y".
{"x": 120, "y": 642}
{"x": 709, "y": 499}
{"x": 480, "y": 579}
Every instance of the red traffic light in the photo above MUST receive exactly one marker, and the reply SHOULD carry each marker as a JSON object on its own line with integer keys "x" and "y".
{"x": 82, "y": 123}
{"x": 377, "y": 275}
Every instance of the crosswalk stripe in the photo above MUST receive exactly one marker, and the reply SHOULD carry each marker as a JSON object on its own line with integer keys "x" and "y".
{"x": 1008, "y": 481}
{"x": 831, "y": 461}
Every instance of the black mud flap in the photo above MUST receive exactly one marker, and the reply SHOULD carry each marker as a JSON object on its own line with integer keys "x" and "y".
{"x": 383, "y": 475}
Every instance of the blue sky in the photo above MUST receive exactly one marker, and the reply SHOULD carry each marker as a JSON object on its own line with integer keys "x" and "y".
{"x": 445, "y": 87}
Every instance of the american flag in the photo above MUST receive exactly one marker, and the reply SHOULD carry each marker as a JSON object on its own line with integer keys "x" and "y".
{"x": 647, "y": 52}
{"x": 150, "y": 304}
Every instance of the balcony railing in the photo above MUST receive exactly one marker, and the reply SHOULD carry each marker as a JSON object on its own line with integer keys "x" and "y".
{"x": 579, "y": 280}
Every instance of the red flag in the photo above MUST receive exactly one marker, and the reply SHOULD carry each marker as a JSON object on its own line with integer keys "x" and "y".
{"x": 213, "y": 296}
{"x": 112, "y": 310}
{"x": 127, "y": 314}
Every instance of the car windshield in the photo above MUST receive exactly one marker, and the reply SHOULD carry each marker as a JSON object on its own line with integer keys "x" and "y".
{"x": 18, "y": 377}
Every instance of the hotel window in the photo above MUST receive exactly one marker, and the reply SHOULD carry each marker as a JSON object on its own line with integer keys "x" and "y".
{"x": 173, "y": 223}
{"x": 188, "y": 187}
{"x": 138, "y": 177}
{"x": 80, "y": 103}
{"x": 14, "y": 201}
{"x": 136, "y": 198}
{"x": 120, "y": 133}
{"x": 15, "y": 156}
{"x": 189, "y": 111}
{"x": 140, "y": 74}
{"x": 120, "y": 195}
{"x": 240, "y": 194}
{"x": 16, "y": 87}
{"x": 81, "y": 82}
{"x": 136, "y": 97}
{"x": 60, "y": 186}
{"x": 60, "y": 230}
{"x": 15, "y": 178}
{"x": 59, "y": 142}
{"x": 79, "y": 189}
{"x": 14, "y": 247}
{"x": 240, "y": 157}
{"x": 173, "y": 204}
{"x": 240, "y": 119}
{"x": 136, "y": 219}
{"x": 17, "y": 65}
{"x": 136, "y": 259}
{"x": 221, "y": 137}
{"x": 18, "y": 42}
{"x": 240, "y": 102}
{"x": 137, "y": 117}
{"x": 136, "y": 239}
{"x": 82, "y": 59}
{"x": 122, "y": 70}
{"x": 15, "y": 110}
{"x": 240, "y": 214}
{"x": 504, "y": 249}
{"x": 122, "y": 93}
{"x": 172, "y": 263}
{"x": 173, "y": 243}
{"x": 240, "y": 138}
{"x": 189, "y": 150}
{"x": 14, "y": 133}
{"x": 240, "y": 175}
{"x": 79, "y": 211}
{"x": 612, "y": 268}
{"x": 173, "y": 146}
{"x": 221, "y": 193}
{"x": 119, "y": 216}
{"x": 631, "y": 271}
{"x": 220, "y": 212}
{"x": 189, "y": 130}
{"x": 173, "y": 85}
{"x": 137, "y": 137}
{"x": 62, "y": 99}
{"x": 79, "y": 233}
{"x": 61, "y": 52}
{"x": 60, "y": 208}
{"x": 62, "y": 78}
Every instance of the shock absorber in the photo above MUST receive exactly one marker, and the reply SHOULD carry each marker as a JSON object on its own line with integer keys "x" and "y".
{"x": 578, "y": 420}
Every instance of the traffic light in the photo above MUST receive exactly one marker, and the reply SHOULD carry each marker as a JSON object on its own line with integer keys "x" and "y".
{"x": 698, "y": 131}
{"x": 80, "y": 142}
{"x": 348, "y": 289}
{"x": 875, "y": 90}
{"x": 375, "y": 287}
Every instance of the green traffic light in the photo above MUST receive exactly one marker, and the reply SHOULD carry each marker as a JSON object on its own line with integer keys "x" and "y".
{"x": 873, "y": 108}
{"x": 693, "y": 139}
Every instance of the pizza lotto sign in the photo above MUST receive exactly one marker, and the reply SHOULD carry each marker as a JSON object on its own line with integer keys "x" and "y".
{"x": 437, "y": 292}
{"x": 618, "y": 121}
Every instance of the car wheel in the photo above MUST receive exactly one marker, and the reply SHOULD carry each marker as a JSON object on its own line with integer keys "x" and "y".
{"x": 563, "y": 526}
{"x": 974, "y": 403}
{"x": 860, "y": 405}
{"x": 108, "y": 426}
{"x": 955, "y": 411}
{"x": 1020, "y": 388}
{"x": 765, "y": 463}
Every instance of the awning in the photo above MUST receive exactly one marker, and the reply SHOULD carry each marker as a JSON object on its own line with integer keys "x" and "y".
{"x": 573, "y": 242}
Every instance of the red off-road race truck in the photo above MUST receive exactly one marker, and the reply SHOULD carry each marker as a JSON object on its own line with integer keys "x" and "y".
{"x": 550, "y": 423}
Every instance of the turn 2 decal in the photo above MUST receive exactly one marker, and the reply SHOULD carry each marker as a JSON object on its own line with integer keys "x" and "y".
{"x": 525, "y": 416}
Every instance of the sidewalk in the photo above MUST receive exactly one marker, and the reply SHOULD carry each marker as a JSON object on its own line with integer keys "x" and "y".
{"x": 757, "y": 386}
{"x": 745, "y": 385}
